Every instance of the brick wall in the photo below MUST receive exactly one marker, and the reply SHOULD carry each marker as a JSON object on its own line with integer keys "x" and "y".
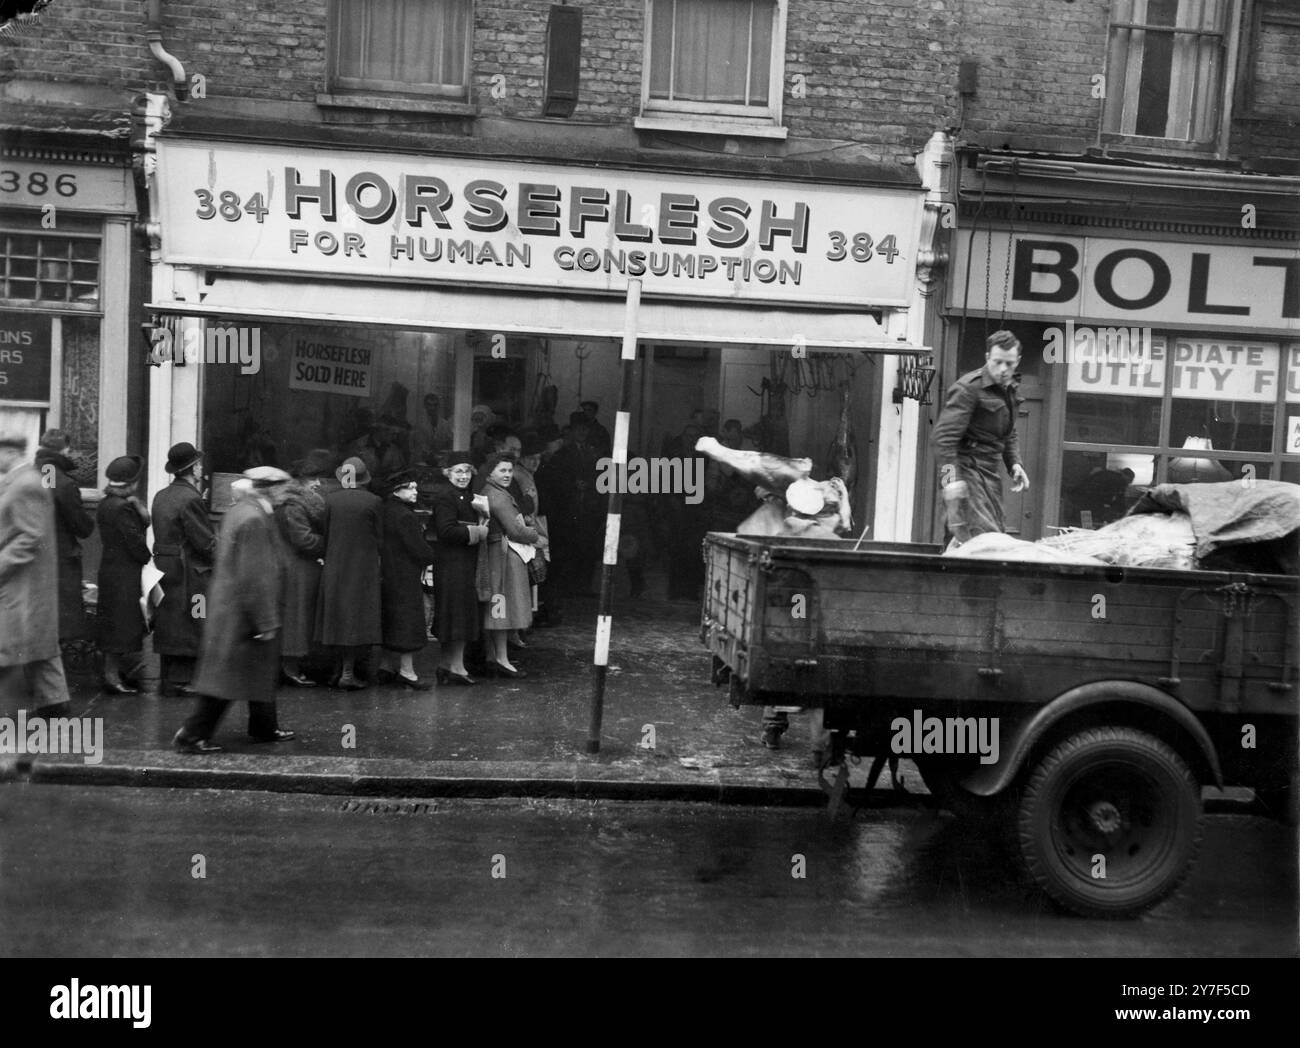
{"x": 877, "y": 76}
{"x": 1036, "y": 63}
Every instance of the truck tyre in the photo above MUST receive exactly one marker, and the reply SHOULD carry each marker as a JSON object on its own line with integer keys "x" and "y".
{"x": 1109, "y": 822}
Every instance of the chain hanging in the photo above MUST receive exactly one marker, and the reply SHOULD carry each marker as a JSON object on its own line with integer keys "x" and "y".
{"x": 1011, "y": 239}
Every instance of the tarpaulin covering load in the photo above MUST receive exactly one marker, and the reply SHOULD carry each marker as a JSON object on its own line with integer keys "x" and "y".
{"x": 1232, "y": 513}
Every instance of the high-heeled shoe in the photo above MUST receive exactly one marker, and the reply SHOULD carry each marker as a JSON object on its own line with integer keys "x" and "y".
{"x": 413, "y": 683}
{"x": 117, "y": 687}
{"x": 298, "y": 680}
{"x": 445, "y": 676}
{"x": 495, "y": 669}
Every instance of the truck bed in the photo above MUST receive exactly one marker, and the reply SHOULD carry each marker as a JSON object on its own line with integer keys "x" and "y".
{"x": 899, "y": 621}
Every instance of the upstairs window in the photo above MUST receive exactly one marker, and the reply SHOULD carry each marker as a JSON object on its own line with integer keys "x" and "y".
{"x": 402, "y": 46}
{"x": 1165, "y": 69}
{"x": 715, "y": 58}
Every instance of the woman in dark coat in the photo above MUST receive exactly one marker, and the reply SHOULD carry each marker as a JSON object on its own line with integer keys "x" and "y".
{"x": 347, "y": 613}
{"x": 122, "y": 520}
{"x": 503, "y": 573}
{"x": 402, "y": 561}
{"x": 460, "y": 528}
{"x": 301, "y": 518}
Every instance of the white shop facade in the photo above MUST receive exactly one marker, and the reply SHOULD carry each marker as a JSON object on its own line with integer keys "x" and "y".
{"x": 297, "y": 293}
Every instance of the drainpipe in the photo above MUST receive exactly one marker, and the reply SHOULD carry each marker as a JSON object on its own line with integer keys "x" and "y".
{"x": 154, "y": 36}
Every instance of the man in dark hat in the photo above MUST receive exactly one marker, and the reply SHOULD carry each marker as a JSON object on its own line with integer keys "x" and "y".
{"x": 976, "y": 432}
{"x": 348, "y": 612}
{"x": 71, "y": 524}
{"x": 31, "y": 668}
{"x": 598, "y": 437}
{"x": 184, "y": 545}
{"x": 240, "y": 656}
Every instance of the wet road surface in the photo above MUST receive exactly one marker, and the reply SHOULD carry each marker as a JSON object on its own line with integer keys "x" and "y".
{"x": 108, "y": 871}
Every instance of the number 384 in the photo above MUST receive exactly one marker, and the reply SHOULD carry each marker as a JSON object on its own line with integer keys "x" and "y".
{"x": 860, "y": 247}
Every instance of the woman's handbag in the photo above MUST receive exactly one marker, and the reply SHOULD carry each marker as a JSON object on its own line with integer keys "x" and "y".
{"x": 537, "y": 570}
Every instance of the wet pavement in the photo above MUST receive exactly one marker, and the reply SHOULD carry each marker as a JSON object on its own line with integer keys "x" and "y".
{"x": 663, "y": 720}
{"x": 313, "y": 876}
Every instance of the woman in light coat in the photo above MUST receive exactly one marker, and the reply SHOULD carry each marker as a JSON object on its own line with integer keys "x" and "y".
{"x": 503, "y": 583}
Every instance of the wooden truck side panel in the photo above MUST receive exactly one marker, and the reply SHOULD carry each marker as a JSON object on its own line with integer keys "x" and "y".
{"x": 815, "y": 624}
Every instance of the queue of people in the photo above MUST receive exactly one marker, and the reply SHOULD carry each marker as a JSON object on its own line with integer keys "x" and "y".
{"x": 332, "y": 557}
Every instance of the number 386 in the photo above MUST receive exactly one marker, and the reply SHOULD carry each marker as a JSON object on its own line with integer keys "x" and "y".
{"x": 38, "y": 183}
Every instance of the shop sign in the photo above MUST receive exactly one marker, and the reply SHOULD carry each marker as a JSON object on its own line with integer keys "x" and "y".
{"x": 549, "y": 227}
{"x": 1127, "y": 282}
{"x": 329, "y": 367}
{"x": 25, "y": 357}
{"x": 1292, "y": 435}
{"x": 1203, "y": 369}
{"x": 74, "y": 187}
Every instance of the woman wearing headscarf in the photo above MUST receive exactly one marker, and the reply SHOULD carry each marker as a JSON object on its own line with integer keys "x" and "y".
{"x": 503, "y": 566}
{"x": 402, "y": 562}
{"x": 122, "y": 520}
{"x": 300, "y": 516}
{"x": 461, "y": 527}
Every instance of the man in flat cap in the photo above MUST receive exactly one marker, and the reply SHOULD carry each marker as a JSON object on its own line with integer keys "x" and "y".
{"x": 240, "y": 655}
{"x": 31, "y": 667}
{"x": 183, "y": 547}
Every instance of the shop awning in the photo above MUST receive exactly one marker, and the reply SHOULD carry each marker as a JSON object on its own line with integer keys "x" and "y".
{"x": 453, "y": 308}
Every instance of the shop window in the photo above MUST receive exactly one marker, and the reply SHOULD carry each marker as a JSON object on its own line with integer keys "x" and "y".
{"x": 37, "y": 268}
{"x": 1195, "y": 409}
{"x": 1165, "y": 69}
{"x": 711, "y": 59}
{"x": 402, "y": 46}
{"x": 292, "y": 388}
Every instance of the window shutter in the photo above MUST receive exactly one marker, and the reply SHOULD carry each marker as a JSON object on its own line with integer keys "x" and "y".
{"x": 563, "y": 60}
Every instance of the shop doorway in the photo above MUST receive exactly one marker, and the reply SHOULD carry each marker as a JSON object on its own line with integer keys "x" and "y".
{"x": 682, "y": 380}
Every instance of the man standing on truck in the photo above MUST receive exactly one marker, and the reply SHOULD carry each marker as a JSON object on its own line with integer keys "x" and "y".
{"x": 976, "y": 428}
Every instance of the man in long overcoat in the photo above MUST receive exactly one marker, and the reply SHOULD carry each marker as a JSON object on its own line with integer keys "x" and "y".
{"x": 348, "y": 612}
{"x": 71, "y": 524}
{"x": 31, "y": 668}
{"x": 183, "y": 547}
{"x": 240, "y": 657}
{"x": 975, "y": 432}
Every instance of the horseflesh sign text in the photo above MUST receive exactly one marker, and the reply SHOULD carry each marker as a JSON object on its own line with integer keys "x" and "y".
{"x": 543, "y": 226}
{"x": 1125, "y": 282}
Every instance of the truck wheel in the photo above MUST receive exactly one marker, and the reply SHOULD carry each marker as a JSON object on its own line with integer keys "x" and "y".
{"x": 1109, "y": 822}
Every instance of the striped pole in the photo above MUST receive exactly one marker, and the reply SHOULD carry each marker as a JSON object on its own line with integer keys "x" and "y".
{"x": 604, "y": 618}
